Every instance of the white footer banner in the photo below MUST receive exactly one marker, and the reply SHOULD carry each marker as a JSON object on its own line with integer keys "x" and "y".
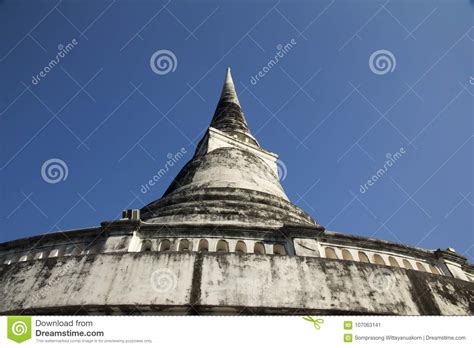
{"x": 235, "y": 331}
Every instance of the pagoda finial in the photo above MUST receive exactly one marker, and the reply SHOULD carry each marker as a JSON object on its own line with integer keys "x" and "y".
{"x": 228, "y": 116}
{"x": 229, "y": 95}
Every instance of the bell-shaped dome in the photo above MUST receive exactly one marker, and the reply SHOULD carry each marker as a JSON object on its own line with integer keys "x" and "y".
{"x": 230, "y": 178}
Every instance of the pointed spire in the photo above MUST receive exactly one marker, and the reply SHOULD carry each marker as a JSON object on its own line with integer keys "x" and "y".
{"x": 228, "y": 94}
{"x": 228, "y": 116}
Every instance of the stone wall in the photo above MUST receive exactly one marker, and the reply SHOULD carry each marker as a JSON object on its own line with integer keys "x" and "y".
{"x": 191, "y": 282}
{"x": 135, "y": 236}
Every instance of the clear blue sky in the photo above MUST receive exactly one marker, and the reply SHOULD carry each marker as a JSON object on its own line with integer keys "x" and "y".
{"x": 331, "y": 119}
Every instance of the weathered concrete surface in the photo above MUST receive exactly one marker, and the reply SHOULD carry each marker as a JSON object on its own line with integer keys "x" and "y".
{"x": 227, "y": 167}
{"x": 93, "y": 280}
{"x": 226, "y": 185}
{"x": 229, "y": 179}
{"x": 224, "y": 283}
{"x": 225, "y": 206}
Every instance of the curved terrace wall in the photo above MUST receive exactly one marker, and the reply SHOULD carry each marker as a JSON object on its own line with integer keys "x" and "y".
{"x": 224, "y": 268}
{"x": 135, "y": 236}
{"x": 184, "y": 282}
